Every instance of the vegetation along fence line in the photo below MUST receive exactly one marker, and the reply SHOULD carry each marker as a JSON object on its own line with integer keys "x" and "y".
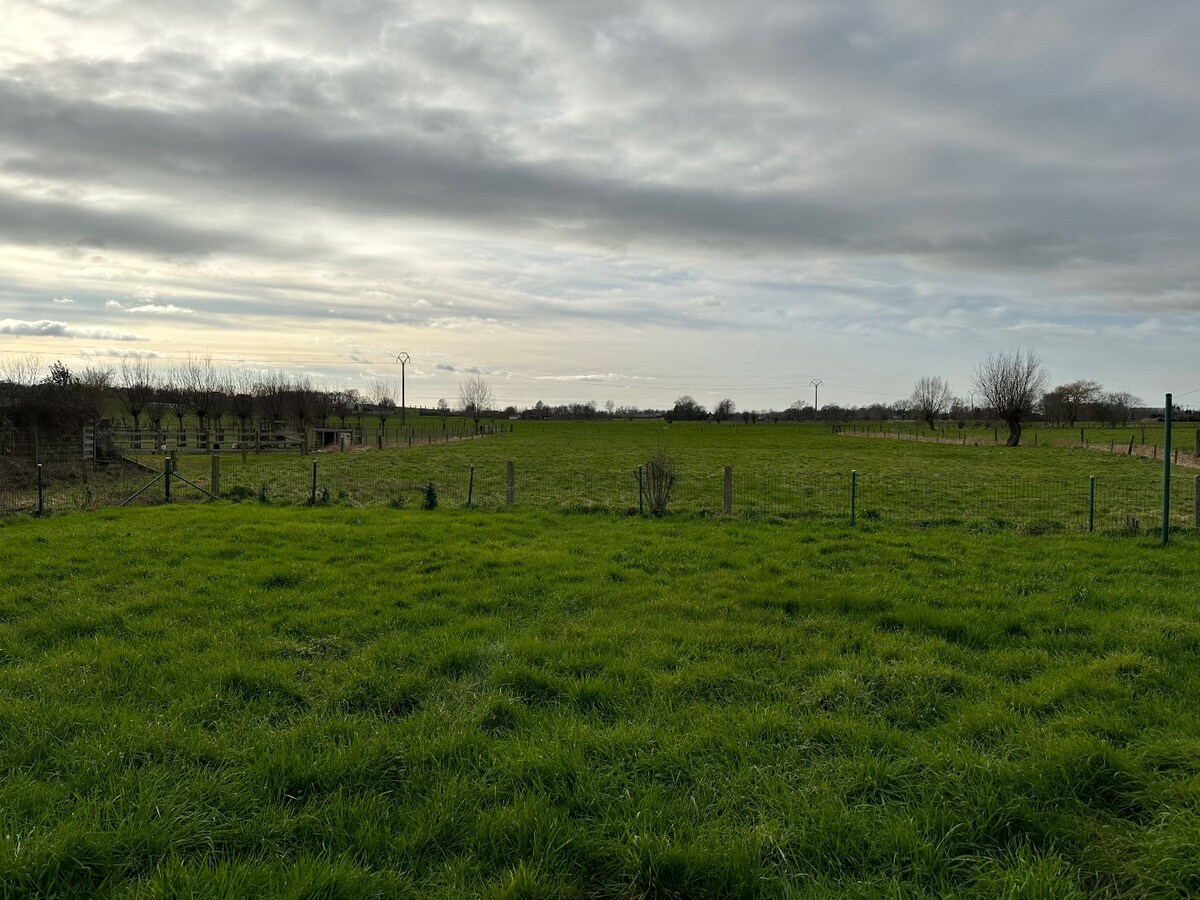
{"x": 1112, "y": 504}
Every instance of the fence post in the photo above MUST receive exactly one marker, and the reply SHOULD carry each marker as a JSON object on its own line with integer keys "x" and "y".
{"x": 853, "y": 495}
{"x": 1082, "y": 439}
{"x": 41, "y": 490}
{"x": 1196, "y": 499}
{"x": 470, "y": 487}
{"x": 1166, "y": 523}
{"x": 215, "y": 486}
{"x": 1091, "y": 503}
{"x": 1130, "y": 453}
{"x": 167, "y": 466}
{"x": 728, "y": 489}
{"x": 312, "y": 497}
{"x": 641, "y": 494}
{"x": 509, "y": 481}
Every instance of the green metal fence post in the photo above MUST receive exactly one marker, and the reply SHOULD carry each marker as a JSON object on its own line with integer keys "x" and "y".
{"x": 1091, "y": 503}
{"x": 509, "y": 482}
{"x": 167, "y": 466}
{"x": 853, "y": 495}
{"x": 470, "y": 487}
{"x": 1166, "y": 523}
{"x": 312, "y": 497}
{"x": 641, "y": 494}
{"x": 41, "y": 491}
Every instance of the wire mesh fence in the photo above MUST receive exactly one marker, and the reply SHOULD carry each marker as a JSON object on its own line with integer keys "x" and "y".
{"x": 1128, "y": 504}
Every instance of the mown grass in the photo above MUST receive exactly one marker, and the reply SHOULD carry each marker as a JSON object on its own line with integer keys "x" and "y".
{"x": 245, "y": 700}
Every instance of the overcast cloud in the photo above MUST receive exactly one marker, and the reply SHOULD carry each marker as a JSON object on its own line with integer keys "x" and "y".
{"x": 594, "y": 198}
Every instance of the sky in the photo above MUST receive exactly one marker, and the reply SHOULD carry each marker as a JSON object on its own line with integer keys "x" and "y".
{"x": 606, "y": 200}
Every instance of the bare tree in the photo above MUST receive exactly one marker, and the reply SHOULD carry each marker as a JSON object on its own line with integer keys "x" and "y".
{"x": 18, "y": 375}
{"x": 136, "y": 387}
{"x": 1075, "y": 396}
{"x": 271, "y": 393}
{"x": 1011, "y": 382}
{"x": 476, "y": 397}
{"x": 175, "y": 395}
{"x": 724, "y": 410}
{"x": 383, "y": 393}
{"x": 687, "y": 409}
{"x": 931, "y": 398}
{"x": 94, "y": 386}
{"x": 299, "y": 407}
{"x": 240, "y": 388}
{"x": 1116, "y": 407}
{"x": 201, "y": 383}
{"x": 340, "y": 405}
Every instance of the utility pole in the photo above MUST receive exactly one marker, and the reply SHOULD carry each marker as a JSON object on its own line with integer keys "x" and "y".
{"x": 816, "y": 383}
{"x": 403, "y": 359}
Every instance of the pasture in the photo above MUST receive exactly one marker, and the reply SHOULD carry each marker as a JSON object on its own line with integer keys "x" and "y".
{"x": 245, "y": 700}
{"x": 796, "y": 471}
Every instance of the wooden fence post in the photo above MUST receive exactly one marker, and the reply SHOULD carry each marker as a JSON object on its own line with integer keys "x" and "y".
{"x": 728, "y": 489}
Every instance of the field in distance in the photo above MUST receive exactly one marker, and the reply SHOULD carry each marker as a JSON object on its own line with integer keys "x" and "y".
{"x": 245, "y": 700}
{"x": 794, "y": 470}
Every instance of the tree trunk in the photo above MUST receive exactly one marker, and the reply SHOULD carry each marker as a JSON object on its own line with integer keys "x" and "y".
{"x": 1014, "y": 434}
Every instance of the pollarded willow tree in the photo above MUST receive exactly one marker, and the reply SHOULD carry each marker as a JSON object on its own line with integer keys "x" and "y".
{"x": 1011, "y": 383}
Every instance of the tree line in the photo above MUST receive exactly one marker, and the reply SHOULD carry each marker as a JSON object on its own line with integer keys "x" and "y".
{"x": 198, "y": 391}
{"x": 1010, "y": 387}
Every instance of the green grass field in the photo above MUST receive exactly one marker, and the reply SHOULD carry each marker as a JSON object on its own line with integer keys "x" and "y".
{"x": 794, "y": 471}
{"x": 247, "y": 700}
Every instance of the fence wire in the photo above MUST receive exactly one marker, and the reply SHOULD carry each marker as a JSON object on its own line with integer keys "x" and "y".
{"x": 1129, "y": 504}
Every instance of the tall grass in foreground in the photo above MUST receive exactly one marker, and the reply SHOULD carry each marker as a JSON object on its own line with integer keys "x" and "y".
{"x": 247, "y": 701}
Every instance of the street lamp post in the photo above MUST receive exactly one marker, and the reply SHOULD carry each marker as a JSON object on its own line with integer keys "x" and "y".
{"x": 816, "y": 383}
{"x": 403, "y": 359}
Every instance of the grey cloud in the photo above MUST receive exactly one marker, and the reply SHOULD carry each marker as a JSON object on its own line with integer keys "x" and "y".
{"x": 620, "y": 158}
{"x": 49, "y": 328}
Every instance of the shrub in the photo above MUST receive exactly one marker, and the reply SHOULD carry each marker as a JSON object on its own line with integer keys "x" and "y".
{"x": 660, "y": 479}
{"x": 431, "y": 498}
